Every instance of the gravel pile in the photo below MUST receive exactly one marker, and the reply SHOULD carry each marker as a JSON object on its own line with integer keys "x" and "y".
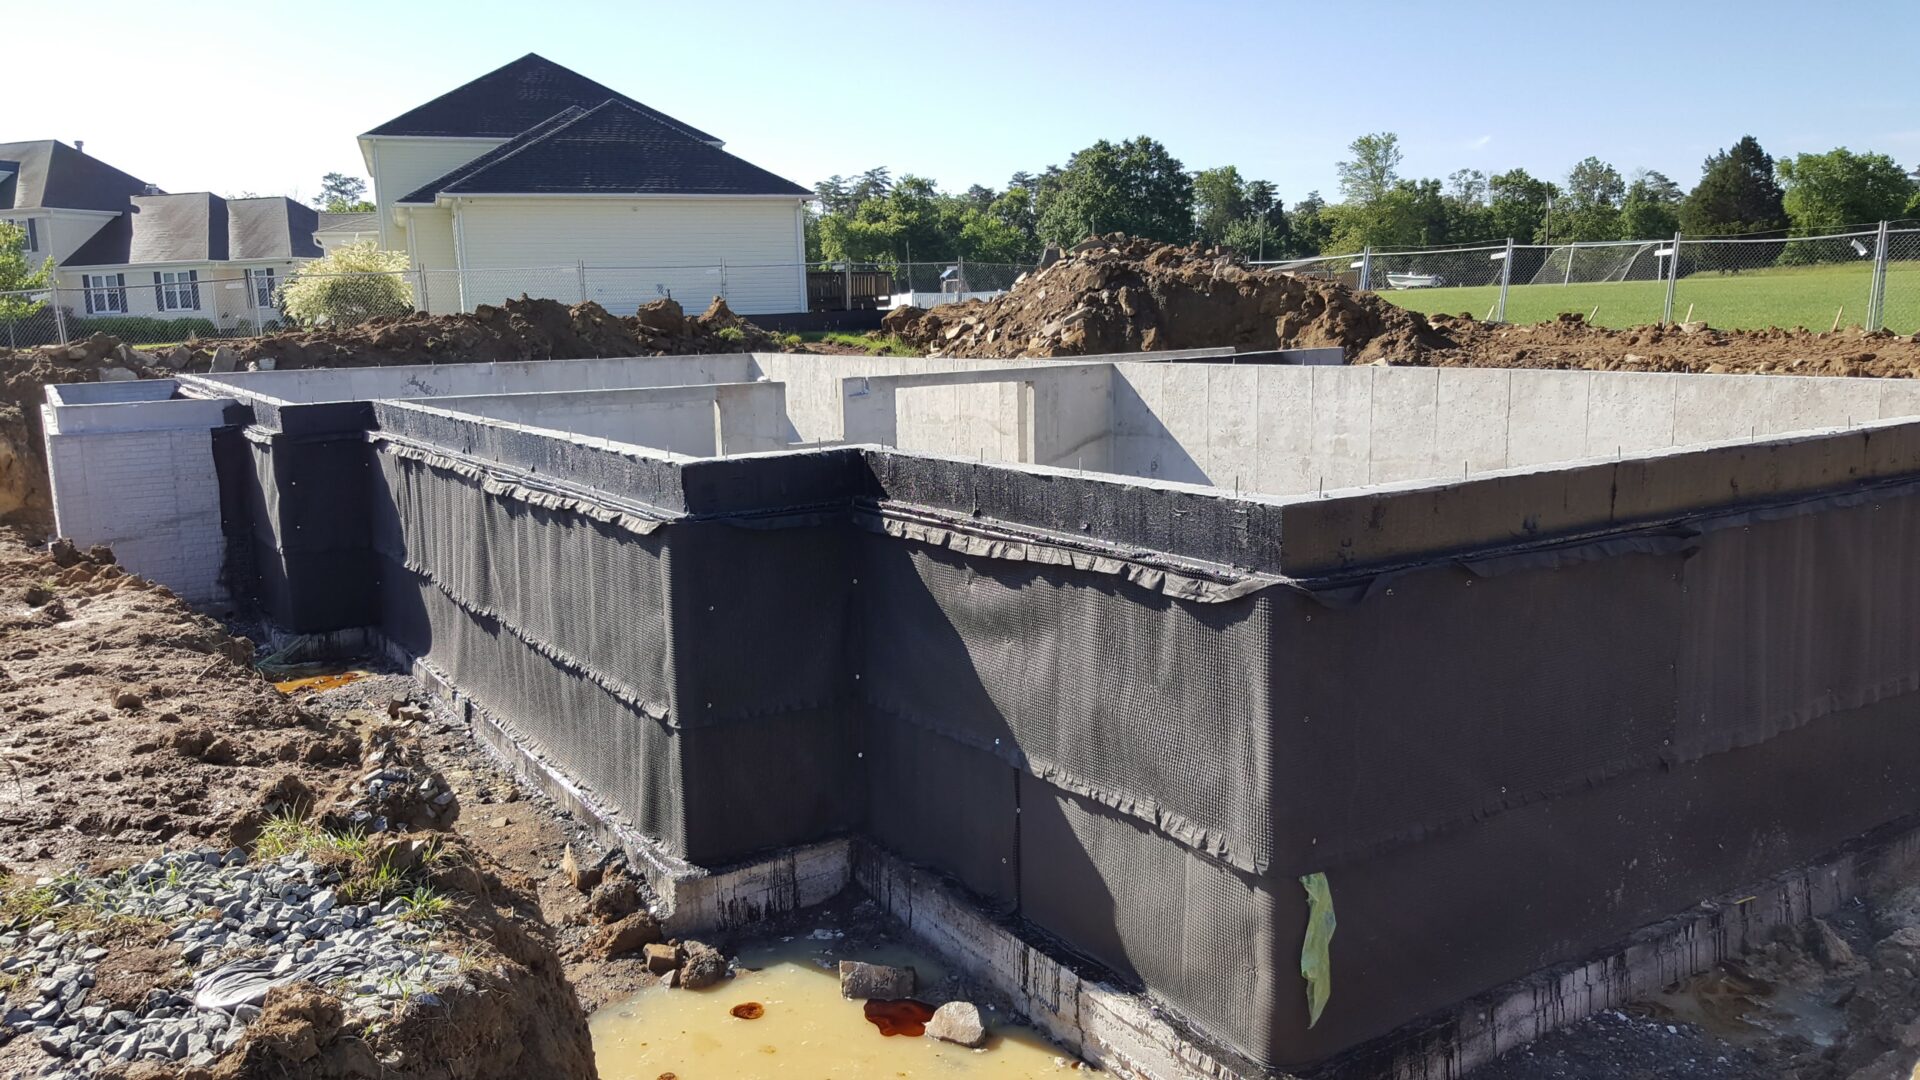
{"x": 241, "y": 929}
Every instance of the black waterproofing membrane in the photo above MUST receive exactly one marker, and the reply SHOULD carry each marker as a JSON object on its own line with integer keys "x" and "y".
{"x": 1140, "y": 747}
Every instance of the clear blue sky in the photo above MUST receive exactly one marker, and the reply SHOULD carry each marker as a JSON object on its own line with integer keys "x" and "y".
{"x": 266, "y": 96}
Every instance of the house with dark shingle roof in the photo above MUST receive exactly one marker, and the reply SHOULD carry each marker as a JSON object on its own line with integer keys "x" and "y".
{"x": 533, "y": 178}
{"x": 124, "y": 247}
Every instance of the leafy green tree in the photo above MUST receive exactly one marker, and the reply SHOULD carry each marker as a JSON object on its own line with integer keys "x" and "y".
{"x": 1373, "y": 171}
{"x": 914, "y": 221}
{"x": 1246, "y": 216}
{"x": 1736, "y": 194}
{"x": 1135, "y": 187}
{"x": 347, "y": 285}
{"x": 1469, "y": 217}
{"x": 1219, "y": 200}
{"x": 1309, "y": 228}
{"x": 1651, "y": 209}
{"x": 343, "y": 194}
{"x": 1517, "y": 206}
{"x": 1592, "y": 205}
{"x": 1411, "y": 213}
{"x": 1840, "y": 187}
{"x": 18, "y": 276}
{"x": 1014, "y": 209}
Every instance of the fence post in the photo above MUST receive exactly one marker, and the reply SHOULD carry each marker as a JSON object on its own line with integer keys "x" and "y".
{"x": 1573, "y": 248}
{"x": 846, "y": 284}
{"x": 1506, "y": 278}
{"x": 1366, "y": 268}
{"x": 59, "y": 314}
{"x": 723, "y": 277}
{"x": 1877, "y": 292}
{"x": 1673, "y": 279}
{"x": 421, "y": 301}
{"x": 580, "y": 267}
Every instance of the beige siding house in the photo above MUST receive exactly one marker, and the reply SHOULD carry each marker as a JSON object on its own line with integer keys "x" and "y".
{"x": 535, "y": 179}
{"x": 122, "y": 247}
{"x": 191, "y": 257}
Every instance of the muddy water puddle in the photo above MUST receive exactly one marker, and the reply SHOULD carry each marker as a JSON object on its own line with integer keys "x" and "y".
{"x": 786, "y": 1018}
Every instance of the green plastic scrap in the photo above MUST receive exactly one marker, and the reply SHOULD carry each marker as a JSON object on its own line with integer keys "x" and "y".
{"x": 1316, "y": 965}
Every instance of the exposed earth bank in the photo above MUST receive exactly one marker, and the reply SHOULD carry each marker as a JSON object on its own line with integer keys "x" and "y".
{"x": 317, "y": 914}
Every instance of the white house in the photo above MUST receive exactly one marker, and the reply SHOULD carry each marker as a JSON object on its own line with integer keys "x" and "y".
{"x": 191, "y": 256}
{"x": 123, "y": 247}
{"x": 536, "y": 179}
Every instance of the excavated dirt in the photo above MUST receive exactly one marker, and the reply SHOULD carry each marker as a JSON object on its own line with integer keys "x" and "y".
{"x": 130, "y": 724}
{"x": 1571, "y": 342}
{"x": 1116, "y": 294}
{"x": 523, "y": 329}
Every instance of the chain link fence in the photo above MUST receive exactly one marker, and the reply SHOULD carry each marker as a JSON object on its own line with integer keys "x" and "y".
{"x": 1866, "y": 278}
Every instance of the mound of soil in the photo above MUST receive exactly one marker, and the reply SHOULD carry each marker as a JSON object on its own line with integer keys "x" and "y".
{"x": 1117, "y": 294}
{"x": 134, "y": 724}
{"x": 523, "y": 329}
{"x": 1571, "y": 342}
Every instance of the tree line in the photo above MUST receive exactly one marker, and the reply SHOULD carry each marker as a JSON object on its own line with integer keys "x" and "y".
{"x": 1138, "y": 188}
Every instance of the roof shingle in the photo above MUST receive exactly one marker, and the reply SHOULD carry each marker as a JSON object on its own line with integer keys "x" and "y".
{"x": 508, "y": 100}
{"x": 611, "y": 149}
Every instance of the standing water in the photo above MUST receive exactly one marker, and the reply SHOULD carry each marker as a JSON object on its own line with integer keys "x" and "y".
{"x": 785, "y": 1018}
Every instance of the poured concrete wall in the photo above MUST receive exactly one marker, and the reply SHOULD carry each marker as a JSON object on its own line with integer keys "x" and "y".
{"x": 1286, "y": 430}
{"x": 132, "y": 467}
{"x": 696, "y": 421}
{"x": 505, "y": 377}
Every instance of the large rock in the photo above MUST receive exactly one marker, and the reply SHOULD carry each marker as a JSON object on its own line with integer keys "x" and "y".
{"x": 637, "y": 931}
{"x": 116, "y": 374}
{"x": 703, "y": 966}
{"x": 958, "y": 1022}
{"x": 225, "y": 359}
{"x": 664, "y": 315}
{"x": 614, "y": 899}
{"x": 875, "y": 982}
{"x": 661, "y": 957}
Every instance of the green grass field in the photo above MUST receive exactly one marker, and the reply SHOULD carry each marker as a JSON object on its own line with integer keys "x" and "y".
{"x": 1750, "y": 300}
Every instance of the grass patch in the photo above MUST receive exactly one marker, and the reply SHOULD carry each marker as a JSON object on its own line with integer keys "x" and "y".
{"x": 1786, "y": 296}
{"x": 872, "y": 344}
{"x": 366, "y": 874}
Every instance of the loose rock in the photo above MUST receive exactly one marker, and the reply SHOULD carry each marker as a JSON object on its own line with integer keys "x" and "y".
{"x": 868, "y": 982}
{"x": 958, "y": 1022}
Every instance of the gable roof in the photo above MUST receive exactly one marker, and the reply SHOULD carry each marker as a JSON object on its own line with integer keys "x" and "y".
{"x": 510, "y": 99}
{"x": 202, "y": 227}
{"x": 611, "y": 149}
{"x": 426, "y": 193}
{"x": 49, "y": 173}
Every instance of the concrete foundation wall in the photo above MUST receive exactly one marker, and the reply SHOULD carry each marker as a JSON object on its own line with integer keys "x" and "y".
{"x": 1288, "y": 430}
{"x": 134, "y": 470}
{"x": 447, "y": 380}
{"x": 696, "y": 421}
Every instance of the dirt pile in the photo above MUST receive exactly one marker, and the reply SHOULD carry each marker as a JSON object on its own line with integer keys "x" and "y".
{"x": 1118, "y": 294}
{"x": 1571, "y": 342}
{"x": 134, "y": 725}
{"x": 523, "y": 329}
